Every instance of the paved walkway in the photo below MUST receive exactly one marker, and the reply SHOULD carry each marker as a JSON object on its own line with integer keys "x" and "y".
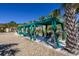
{"x": 10, "y": 44}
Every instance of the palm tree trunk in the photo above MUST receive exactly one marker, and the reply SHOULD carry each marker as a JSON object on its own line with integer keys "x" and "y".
{"x": 71, "y": 29}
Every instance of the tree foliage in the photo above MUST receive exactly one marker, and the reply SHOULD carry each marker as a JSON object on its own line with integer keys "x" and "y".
{"x": 55, "y": 13}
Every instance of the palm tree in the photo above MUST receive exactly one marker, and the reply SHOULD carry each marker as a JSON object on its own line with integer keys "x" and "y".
{"x": 55, "y": 13}
{"x": 71, "y": 28}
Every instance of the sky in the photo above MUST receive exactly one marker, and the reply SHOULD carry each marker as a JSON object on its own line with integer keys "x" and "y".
{"x": 25, "y": 12}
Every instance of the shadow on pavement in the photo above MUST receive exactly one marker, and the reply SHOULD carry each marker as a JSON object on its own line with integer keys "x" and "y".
{"x": 8, "y": 49}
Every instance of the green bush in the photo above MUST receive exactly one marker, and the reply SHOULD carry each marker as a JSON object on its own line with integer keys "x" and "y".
{"x": 2, "y": 31}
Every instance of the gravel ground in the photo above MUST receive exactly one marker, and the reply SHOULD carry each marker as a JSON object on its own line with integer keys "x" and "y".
{"x": 24, "y": 47}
